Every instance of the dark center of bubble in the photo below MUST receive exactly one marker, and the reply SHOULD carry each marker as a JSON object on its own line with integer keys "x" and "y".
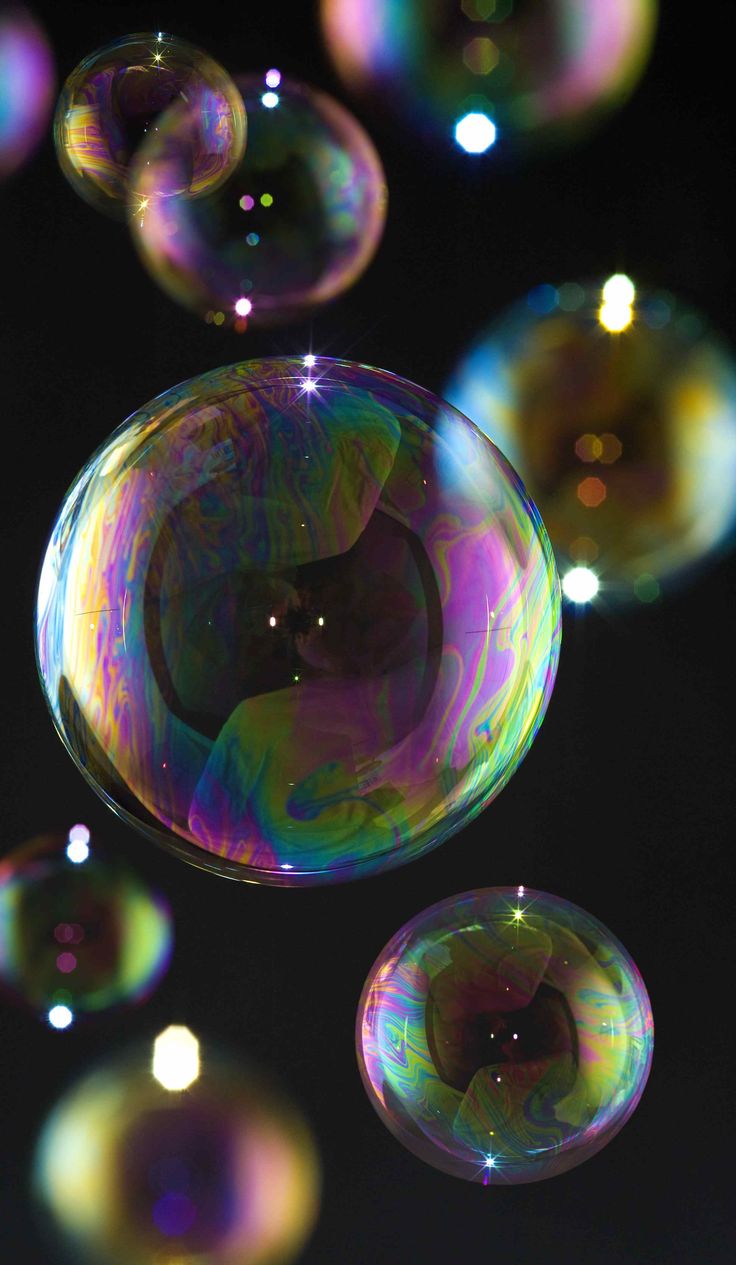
{"x": 487, "y": 1035}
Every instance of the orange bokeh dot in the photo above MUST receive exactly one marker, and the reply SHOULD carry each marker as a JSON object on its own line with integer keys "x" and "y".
{"x": 591, "y": 492}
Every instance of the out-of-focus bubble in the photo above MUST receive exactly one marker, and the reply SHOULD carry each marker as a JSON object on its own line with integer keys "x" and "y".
{"x": 619, "y": 411}
{"x": 298, "y": 621}
{"x": 517, "y": 69}
{"x": 114, "y": 99}
{"x": 297, "y": 223}
{"x": 79, "y": 932}
{"x": 26, "y": 86}
{"x": 504, "y": 1035}
{"x": 138, "y": 1165}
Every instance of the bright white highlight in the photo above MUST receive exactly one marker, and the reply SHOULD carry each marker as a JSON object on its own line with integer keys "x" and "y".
{"x": 77, "y": 849}
{"x": 243, "y": 307}
{"x": 176, "y": 1058}
{"x": 580, "y": 585}
{"x": 310, "y": 361}
{"x": 309, "y": 384}
{"x": 60, "y": 1017}
{"x": 273, "y": 78}
{"x": 270, "y": 99}
{"x": 619, "y": 290}
{"x": 475, "y": 133}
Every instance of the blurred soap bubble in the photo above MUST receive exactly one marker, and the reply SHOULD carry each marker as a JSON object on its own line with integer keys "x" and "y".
{"x": 27, "y": 83}
{"x": 296, "y": 224}
{"x": 485, "y": 71}
{"x": 113, "y": 99}
{"x": 176, "y": 1153}
{"x": 80, "y": 933}
{"x": 617, "y": 405}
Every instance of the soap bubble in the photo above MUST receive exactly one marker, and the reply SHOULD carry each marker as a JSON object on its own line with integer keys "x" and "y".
{"x": 26, "y": 86}
{"x": 79, "y": 932}
{"x": 178, "y": 1158}
{"x": 114, "y": 98}
{"x": 504, "y": 1035}
{"x": 296, "y": 224}
{"x": 481, "y": 68}
{"x": 618, "y": 408}
{"x": 298, "y": 622}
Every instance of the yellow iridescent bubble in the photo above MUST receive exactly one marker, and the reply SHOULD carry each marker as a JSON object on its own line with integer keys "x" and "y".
{"x": 181, "y": 1154}
{"x": 620, "y": 415}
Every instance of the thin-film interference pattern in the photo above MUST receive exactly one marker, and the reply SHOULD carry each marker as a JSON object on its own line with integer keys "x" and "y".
{"x": 114, "y": 98}
{"x": 504, "y": 1035}
{"x": 301, "y": 619}
{"x": 296, "y": 224}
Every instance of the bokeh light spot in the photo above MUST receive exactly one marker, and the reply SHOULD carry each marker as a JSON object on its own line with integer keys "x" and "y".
{"x": 475, "y": 133}
{"x": 176, "y": 1058}
{"x": 580, "y": 585}
{"x": 60, "y": 1017}
{"x": 592, "y": 492}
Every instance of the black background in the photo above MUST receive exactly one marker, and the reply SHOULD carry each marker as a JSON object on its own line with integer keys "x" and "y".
{"x": 624, "y": 804}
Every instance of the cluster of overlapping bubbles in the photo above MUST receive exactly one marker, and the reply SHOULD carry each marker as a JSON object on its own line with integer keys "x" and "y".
{"x": 251, "y": 199}
{"x": 298, "y": 621}
{"x": 504, "y": 1035}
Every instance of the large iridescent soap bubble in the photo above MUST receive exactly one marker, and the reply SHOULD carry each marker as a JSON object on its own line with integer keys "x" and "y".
{"x": 298, "y": 621}
{"x": 178, "y": 1154}
{"x": 80, "y": 933}
{"x": 504, "y": 1035}
{"x": 618, "y": 408}
{"x": 26, "y": 86}
{"x": 297, "y": 223}
{"x": 114, "y": 97}
{"x": 482, "y": 71}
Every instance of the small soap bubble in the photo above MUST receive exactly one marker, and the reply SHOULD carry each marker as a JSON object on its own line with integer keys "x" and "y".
{"x": 115, "y": 97}
{"x": 505, "y": 1030}
{"x": 80, "y": 933}
{"x": 312, "y": 186}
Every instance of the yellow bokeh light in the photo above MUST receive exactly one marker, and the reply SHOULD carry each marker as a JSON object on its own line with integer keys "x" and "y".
{"x": 615, "y": 317}
{"x": 176, "y": 1058}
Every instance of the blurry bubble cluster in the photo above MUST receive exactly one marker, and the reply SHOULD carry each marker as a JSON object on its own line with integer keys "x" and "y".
{"x": 618, "y": 408}
{"x": 114, "y": 98}
{"x": 27, "y": 81}
{"x": 297, "y": 222}
{"x": 504, "y": 1035}
{"x": 80, "y": 933}
{"x": 482, "y": 70}
{"x": 298, "y": 620}
{"x": 178, "y": 1155}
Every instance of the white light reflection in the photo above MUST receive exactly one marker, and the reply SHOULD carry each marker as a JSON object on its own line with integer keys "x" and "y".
{"x": 176, "y": 1058}
{"x": 475, "y": 133}
{"x": 580, "y": 585}
{"x": 60, "y": 1017}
